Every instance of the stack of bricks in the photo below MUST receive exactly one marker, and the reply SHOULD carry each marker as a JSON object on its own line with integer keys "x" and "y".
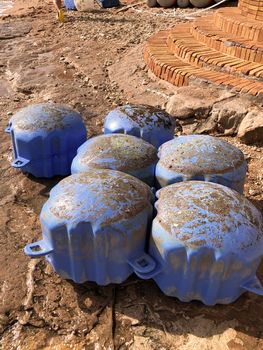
{"x": 252, "y": 9}
{"x": 225, "y": 48}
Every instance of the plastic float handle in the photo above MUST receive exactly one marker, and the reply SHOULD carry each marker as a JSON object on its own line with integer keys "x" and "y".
{"x": 144, "y": 266}
{"x": 253, "y": 286}
{"x": 8, "y": 129}
{"x": 19, "y": 162}
{"x": 43, "y": 249}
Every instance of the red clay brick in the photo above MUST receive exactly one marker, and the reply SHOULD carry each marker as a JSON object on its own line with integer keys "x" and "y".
{"x": 227, "y": 39}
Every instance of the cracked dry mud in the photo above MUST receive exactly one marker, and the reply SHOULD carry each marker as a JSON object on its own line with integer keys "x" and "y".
{"x": 93, "y": 63}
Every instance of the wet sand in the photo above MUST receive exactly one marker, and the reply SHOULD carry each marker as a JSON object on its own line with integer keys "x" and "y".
{"x": 4, "y": 6}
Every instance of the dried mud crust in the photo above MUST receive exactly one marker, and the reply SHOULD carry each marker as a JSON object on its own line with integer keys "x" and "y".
{"x": 205, "y": 214}
{"x": 101, "y": 196}
{"x": 119, "y": 152}
{"x": 212, "y": 156}
{"x": 147, "y": 115}
{"x": 69, "y": 64}
{"x": 46, "y": 117}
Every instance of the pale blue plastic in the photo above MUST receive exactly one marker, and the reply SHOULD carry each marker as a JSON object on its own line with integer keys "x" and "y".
{"x": 70, "y": 5}
{"x": 45, "y": 139}
{"x": 207, "y": 242}
{"x": 151, "y": 124}
{"x": 121, "y": 152}
{"x": 94, "y": 227}
{"x": 203, "y": 158}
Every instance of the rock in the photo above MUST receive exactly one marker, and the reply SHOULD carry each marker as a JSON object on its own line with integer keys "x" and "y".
{"x": 166, "y": 3}
{"x": 152, "y": 3}
{"x": 142, "y": 343}
{"x": 183, "y": 3}
{"x": 251, "y": 128}
{"x": 131, "y": 320}
{"x": 84, "y": 5}
{"x": 227, "y": 115}
{"x": 194, "y": 101}
{"x": 201, "y": 3}
{"x": 253, "y": 192}
{"x": 205, "y": 126}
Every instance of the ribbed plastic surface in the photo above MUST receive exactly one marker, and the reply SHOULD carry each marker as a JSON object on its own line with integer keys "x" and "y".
{"x": 201, "y": 157}
{"x": 45, "y": 139}
{"x": 121, "y": 152}
{"x": 94, "y": 227}
{"x": 149, "y": 123}
{"x": 70, "y": 4}
{"x": 207, "y": 241}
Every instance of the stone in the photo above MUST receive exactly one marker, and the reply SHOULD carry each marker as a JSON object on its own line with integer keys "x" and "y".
{"x": 183, "y": 3}
{"x": 141, "y": 342}
{"x": 251, "y": 128}
{"x": 206, "y": 126}
{"x": 152, "y": 3}
{"x": 166, "y": 3}
{"x": 85, "y": 5}
{"x": 201, "y": 3}
{"x": 195, "y": 102}
{"x": 227, "y": 115}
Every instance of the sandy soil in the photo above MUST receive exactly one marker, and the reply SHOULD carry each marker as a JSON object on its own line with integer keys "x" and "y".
{"x": 93, "y": 62}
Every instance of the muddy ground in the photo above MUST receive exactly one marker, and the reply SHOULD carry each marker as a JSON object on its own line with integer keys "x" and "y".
{"x": 93, "y": 62}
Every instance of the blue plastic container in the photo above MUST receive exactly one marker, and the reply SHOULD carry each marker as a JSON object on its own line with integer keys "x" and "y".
{"x": 70, "y": 5}
{"x": 45, "y": 139}
{"x": 94, "y": 227}
{"x": 149, "y": 123}
{"x": 121, "y": 152}
{"x": 207, "y": 242}
{"x": 108, "y": 3}
{"x": 85, "y": 5}
{"x": 201, "y": 157}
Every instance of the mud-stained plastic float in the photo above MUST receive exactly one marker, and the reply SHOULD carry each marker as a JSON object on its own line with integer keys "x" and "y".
{"x": 203, "y": 158}
{"x": 87, "y": 5}
{"x": 94, "y": 227}
{"x": 207, "y": 242}
{"x": 70, "y": 5}
{"x": 45, "y": 139}
{"x": 149, "y": 123}
{"x": 125, "y": 153}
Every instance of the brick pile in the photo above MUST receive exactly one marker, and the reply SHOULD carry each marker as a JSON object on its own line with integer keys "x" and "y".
{"x": 251, "y": 9}
{"x": 225, "y": 48}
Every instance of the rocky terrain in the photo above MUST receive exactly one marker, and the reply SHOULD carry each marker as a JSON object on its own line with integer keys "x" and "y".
{"x": 93, "y": 62}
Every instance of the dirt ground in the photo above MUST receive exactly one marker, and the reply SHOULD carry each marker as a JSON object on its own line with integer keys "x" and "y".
{"x": 93, "y": 62}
